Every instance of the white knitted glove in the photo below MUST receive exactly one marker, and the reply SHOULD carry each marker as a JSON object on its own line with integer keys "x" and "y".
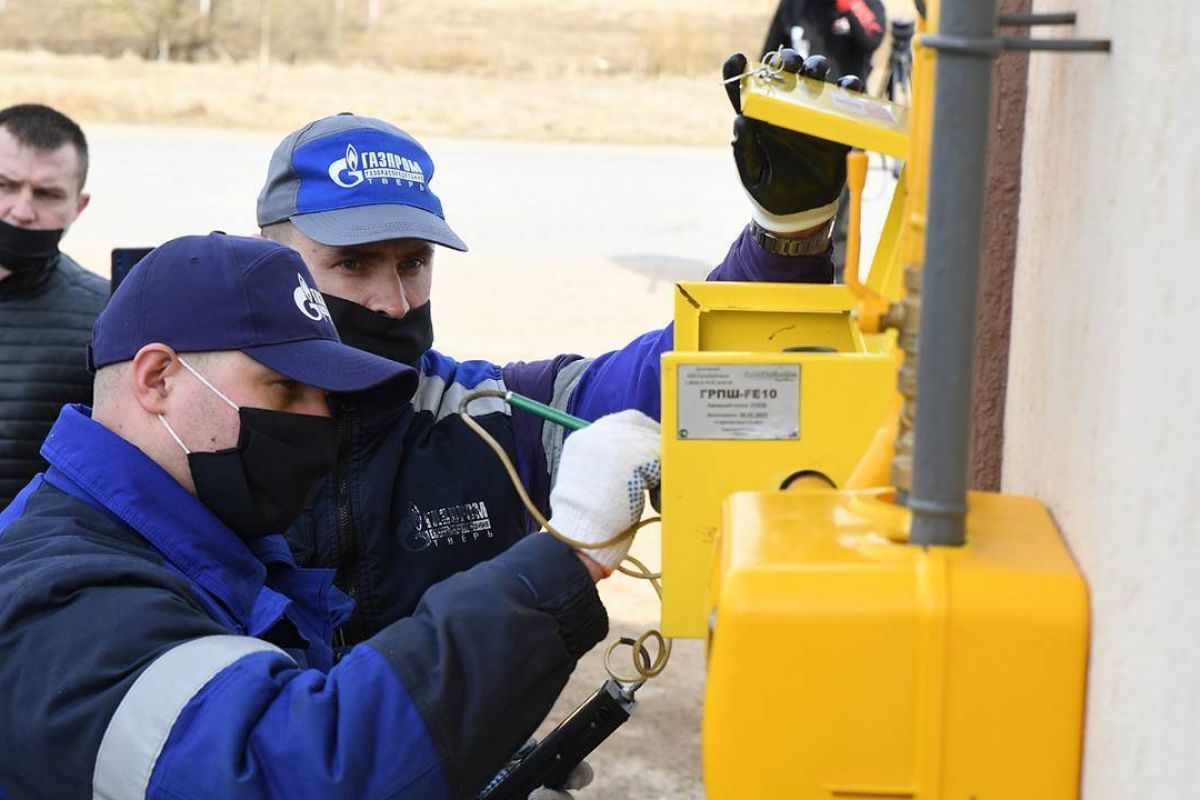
{"x": 603, "y": 476}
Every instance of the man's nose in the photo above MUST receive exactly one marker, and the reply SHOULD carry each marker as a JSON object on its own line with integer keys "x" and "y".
{"x": 394, "y": 301}
{"x": 22, "y": 211}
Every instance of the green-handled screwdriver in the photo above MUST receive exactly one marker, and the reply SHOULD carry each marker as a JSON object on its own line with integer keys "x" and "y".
{"x": 544, "y": 411}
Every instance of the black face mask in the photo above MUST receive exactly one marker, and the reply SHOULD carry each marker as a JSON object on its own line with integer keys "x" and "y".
{"x": 404, "y": 340}
{"x": 259, "y": 487}
{"x": 22, "y": 250}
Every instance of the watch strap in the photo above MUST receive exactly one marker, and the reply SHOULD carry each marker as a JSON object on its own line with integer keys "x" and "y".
{"x": 814, "y": 244}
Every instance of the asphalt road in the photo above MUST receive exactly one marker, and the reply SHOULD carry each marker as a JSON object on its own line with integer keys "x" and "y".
{"x": 573, "y": 247}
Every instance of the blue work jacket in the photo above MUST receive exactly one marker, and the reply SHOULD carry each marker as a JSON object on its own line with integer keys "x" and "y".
{"x": 147, "y": 651}
{"x": 417, "y": 496}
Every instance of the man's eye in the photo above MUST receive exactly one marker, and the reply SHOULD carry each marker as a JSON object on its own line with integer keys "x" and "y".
{"x": 48, "y": 194}
{"x": 413, "y": 264}
{"x": 5, "y": 186}
{"x": 349, "y": 264}
{"x": 287, "y": 385}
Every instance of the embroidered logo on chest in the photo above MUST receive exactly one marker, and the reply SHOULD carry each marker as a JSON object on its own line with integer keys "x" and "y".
{"x": 446, "y": 527}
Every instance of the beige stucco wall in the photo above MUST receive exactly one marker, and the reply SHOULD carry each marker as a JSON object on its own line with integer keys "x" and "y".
{"x": 1103, "y": 406}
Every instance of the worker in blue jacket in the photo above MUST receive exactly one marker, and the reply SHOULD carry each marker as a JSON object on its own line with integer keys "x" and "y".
{"x": 158, "y": 640}
{"x": 415, "y": 495}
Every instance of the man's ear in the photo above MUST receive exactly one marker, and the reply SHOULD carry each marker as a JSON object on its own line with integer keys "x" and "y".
{"x": 84, "y": 199}
{"x": 151, "y": 373}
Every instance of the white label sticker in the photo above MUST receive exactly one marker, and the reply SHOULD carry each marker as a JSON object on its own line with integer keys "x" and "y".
{"x": 739, "y": 401}
{"x": 863, "y": 107}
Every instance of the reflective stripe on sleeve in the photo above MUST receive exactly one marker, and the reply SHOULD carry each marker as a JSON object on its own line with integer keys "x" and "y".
{"x": 553, "y": 435}
{"x": 139, "y": 729}
{"x": 433, "y": 394}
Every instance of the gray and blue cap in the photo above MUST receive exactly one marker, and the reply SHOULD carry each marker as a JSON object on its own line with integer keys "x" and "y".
{"x": 347, "y": 180}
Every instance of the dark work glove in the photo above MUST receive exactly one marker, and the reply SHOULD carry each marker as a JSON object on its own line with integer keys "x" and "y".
{"x": 793, "y": 179}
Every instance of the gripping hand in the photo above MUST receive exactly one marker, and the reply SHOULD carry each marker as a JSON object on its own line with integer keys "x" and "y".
{"x": 794, "y": 180}
{"x": 605, "y": 472}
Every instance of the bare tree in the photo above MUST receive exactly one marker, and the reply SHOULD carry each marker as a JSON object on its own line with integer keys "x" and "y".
{"x": 171, "y": 28}
{"x": 265, "y": 7}
{"x": 335, "y": 30}
{"x": 166, "y": 17}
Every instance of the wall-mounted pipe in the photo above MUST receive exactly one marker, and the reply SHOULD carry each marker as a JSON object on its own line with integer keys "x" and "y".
{"x": 958, "y": 167}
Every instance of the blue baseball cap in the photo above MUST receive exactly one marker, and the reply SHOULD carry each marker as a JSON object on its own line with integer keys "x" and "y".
{"x": 347, "y": 180}
{"x": 220, "y": 292}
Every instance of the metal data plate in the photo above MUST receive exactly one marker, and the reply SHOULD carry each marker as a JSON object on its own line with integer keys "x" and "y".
{"x": 739, "y": 401}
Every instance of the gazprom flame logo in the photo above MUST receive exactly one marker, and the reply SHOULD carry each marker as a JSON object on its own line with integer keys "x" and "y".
{"x": 310, "y": 302}
{"x": 383, "y": 166}
{"x": 347, "y": 166}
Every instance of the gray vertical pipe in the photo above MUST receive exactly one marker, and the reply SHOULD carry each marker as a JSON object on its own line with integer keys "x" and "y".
{"x": 958, "y": 166}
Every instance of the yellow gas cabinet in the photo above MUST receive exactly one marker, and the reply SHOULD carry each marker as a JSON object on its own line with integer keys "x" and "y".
{"x": 773, "y": 383}
{"x": 785, "y": 390}
{"x": 776, "y": 385}
{"x": 845, "y": 662}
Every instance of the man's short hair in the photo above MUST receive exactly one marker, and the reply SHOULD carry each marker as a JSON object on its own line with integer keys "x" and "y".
{"x": 278, "y": 232}
{"x": 41, "y": 127}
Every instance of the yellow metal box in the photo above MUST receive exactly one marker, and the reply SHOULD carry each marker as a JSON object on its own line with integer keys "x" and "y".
{"x": 774, "y": 317}
{"x": 734, "y": 421}
{"x": 828, "y": 112}
{"x": 845, "y": 663}
{"x": 823, "y": 392}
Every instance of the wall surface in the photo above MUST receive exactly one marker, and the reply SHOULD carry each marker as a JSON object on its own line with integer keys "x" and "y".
{"x": 1103, "y": 408}
{"x": 994, "y": 311}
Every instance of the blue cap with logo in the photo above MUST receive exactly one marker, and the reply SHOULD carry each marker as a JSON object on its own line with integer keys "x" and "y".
{"x": 220, "y": 292}
{"x": 346, "y": 180}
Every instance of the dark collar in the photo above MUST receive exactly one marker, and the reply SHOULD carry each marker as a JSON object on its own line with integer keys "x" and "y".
{"x": 29, "y": 281}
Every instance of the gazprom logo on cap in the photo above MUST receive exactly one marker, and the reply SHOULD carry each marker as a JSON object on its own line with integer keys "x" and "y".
{"x": 310, "y": 302}
{"x": 375, "y": 165}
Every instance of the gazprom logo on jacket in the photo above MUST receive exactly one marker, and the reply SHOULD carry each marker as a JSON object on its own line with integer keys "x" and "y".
{"x": 310, "y": 302}
{"x": 458, "y": 524}
{"x": 363, "y": 167}
{"x": 373, "y": 165}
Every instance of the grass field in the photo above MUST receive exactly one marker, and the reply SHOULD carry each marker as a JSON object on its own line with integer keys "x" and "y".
{"x": 617, "y": 108}
{"x": 623, "y": 71}
{"x": 574, "y": 70}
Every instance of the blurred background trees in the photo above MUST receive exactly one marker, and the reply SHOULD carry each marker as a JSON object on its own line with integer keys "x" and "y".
{"x": 483, "y": 36}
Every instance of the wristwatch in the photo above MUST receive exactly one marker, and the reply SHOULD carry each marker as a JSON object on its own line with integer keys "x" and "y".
{"x": 814, "y": 244}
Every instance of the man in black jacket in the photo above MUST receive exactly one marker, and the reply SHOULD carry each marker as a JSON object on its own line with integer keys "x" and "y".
{"x": 847, "y": 32}
{"x": 48, "y": 302}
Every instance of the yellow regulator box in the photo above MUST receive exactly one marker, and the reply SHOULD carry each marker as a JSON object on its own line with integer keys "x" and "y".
{"x": 845, "y": 663}
{"x": 769, "y": 383}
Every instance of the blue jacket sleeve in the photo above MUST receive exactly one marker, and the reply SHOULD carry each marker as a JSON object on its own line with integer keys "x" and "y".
{"x": 631, "y": 376}
{"x": 430, "y": 707}
{"x": 130, "y": 690}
